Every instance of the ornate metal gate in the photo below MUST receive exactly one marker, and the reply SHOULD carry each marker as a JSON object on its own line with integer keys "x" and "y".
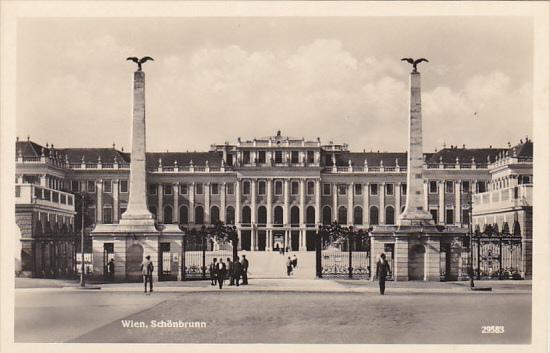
{"x": 201, "y": 246}
{"x": 496, "y": 255}
{"x": 342, "y": 252}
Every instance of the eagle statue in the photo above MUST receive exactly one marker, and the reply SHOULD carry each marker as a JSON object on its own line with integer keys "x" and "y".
{"x": 140, "y": 61}
{"x": 414, "y": 62}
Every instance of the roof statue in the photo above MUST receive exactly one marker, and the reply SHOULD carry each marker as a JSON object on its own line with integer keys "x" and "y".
{"x": 414, "y": 62}
{"x": 140, "y": 61}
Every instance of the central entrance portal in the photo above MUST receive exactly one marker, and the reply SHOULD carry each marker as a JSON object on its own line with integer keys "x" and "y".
{"x": 278, "y": 240}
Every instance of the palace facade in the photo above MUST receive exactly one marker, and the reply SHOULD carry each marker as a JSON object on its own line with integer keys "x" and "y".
{"x": 275, "y": 189}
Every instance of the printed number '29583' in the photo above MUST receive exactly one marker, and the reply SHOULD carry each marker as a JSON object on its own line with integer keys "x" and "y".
{"x": 492, "y": 329}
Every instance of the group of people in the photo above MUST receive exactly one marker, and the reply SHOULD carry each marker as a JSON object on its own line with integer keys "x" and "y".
{"x": 291, "y": 264}
{"x": 231, "y": 270}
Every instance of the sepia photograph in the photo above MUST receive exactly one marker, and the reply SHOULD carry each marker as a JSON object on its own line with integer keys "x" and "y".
{"x": 289, "y": 174}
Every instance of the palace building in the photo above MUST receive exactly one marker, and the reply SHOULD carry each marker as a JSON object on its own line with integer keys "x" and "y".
{"x": 275, "y": 189}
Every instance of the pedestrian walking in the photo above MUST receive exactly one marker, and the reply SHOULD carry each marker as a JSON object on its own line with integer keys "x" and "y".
{"x": 237, "y": 271}
{"x": 288, "y": 266}
{"x": 244, "y": 269}
{"x": 221, "y": 272}
{"x": 147, "y": 271}
{"x": 294, "y": 261}
{"x": 111, "y": 269}
{"x": 213, "y": 271}
{"x": 382, "y": 270}
{"x": 230, "y": 270}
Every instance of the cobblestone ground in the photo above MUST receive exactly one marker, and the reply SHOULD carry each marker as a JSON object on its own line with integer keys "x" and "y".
{"x": 56, "y": 315}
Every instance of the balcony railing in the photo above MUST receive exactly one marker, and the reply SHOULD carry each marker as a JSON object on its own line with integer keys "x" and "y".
{"x": 517, "y": 196}
{"x": 39, "y": 195}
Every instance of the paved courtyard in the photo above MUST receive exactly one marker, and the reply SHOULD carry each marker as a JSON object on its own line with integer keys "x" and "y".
{"x": 278, "y": 311}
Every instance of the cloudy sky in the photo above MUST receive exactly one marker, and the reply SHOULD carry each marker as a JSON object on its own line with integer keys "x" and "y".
{"x": 216, "y": 79}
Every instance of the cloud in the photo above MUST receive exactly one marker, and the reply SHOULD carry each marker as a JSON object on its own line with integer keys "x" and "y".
{"x": 210, "y": 94}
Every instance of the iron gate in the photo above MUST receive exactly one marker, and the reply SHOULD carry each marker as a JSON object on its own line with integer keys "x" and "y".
{"x": 200, "y": 247}
{"x": 342, "y": 253}
{"x": 497, "y": 256}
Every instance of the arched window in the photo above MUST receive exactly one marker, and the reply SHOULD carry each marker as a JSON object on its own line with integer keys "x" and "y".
{"x": 262, "y": 215}
{"x": 342, "y": 215}
{"x": 184, "y": 215}
{"x": 357, "y": 215}
{"x": 199, "y": 215}
{"x": 390, "y": 215}
{"x": 505, "y": 228}
{"x": 517, "y": 228}
{"x": 310, "y": 216}
{"x": 278, "y": 216}
{"x": 295, "y": 216}
{"x": 373, "y": 215}
{"x": 327, "y": 215}
{"x": 214, "y": 214}
{"x": 167, "y": 214}
{"x": 230, "y": 215}
{"x": 246, "y": 215}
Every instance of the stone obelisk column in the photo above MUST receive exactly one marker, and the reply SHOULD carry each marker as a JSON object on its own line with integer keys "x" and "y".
{"x": 415, "y": 213}
{"x": 137, "y": 212}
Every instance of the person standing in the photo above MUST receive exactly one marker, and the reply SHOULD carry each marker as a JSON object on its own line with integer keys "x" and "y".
{"x": 213, "y": 271}
{"x": 382, "y": 270}
{"x": 221, "y": 272}
{"x": 244, "y": 265}
{"x": 294, "y": 261}
{"x": 147, "y": 271}
{"x": 288, "y": 267}
{"x": 230, "y": 277}
{"x": 111, "y": 269}
{"x": 237, "y": 270}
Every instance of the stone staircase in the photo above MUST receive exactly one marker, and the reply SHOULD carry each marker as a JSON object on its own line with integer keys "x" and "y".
{"x": 273, "y": 265}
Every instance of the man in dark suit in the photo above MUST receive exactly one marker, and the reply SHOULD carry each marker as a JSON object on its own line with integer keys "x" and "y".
{"x": 382, "y": 270}
{"x": 244, "y": 264}
{"x": 230, "y": 272}
{"x": 111, "y": 270}
{"x": 213, "y": 269}
{"x": 237, "y": 270}
{"x": 221, "y": 272}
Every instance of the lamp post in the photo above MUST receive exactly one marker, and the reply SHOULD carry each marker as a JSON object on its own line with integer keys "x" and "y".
{"x": 471, "y": 235}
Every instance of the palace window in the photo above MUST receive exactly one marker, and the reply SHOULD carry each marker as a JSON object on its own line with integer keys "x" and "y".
{"x": 183, "y": 189}
{"x": 107, "y": 186}
{"x": 357, "y": 215}
{"x": 75, "y": 186}
{"x": 91, "y": 215}
{"x": 107, "y": 214}
{"x": 229, "y": 159}
{"x": 389, "y": 190}
{"x": 198, "y": 189}
{"x": 294, "y": 187}
{"x": 311, "y": 187}
{"x": 230, "y": 188}
{"x": 358, "y": 189}
{"x": 326, "y": 189}
{"x": 279, "y": 157}
{"x": 465, "y": 216}
{"x": 278, "y": 187}
{"x": 124, "y": 186}
{"x": 294, "y": 157}
{"x": 449, "y": 216}
{"x": 481, "y": 186}
{"x": 214, "y": 188}
{"x": 152, "y": 189}
{"x": 465, "y": 186}
{"x": 310, "y": 157}
{"x": 449, "y": 186}
{"x": 246, "y": 157}
{"x": 434, "y": 214}
{"x": 261, "y": 187}
{"x": 433, "y": 187}
{"x": 404, "y": 189}
{"x": 374, "y": 190}
{"x": 90, "y": 186}
{"x": 261, "y": 157}
{"x": 167, "y": 189}
{"x": 342, "y": 189}
{"x": 246, "y": 187}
